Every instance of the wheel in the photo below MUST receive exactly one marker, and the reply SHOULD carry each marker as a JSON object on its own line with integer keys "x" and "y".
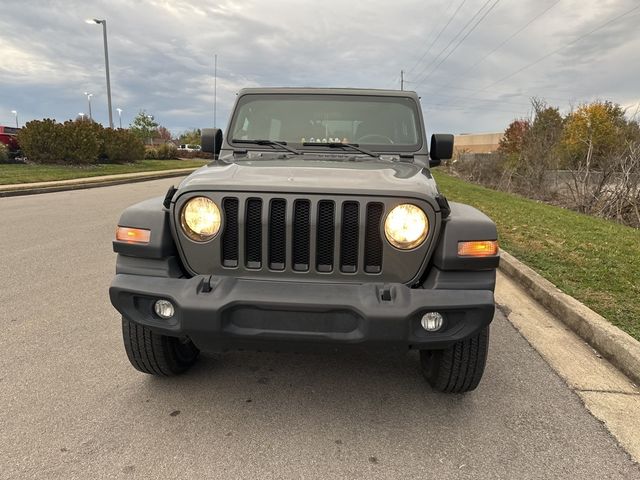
{"x": 459, "y": 368}
{"x": 157, "y": 354}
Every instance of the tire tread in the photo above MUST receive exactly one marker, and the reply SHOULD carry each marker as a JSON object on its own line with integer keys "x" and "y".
{"x": 459, "y": 368}
{"x": 152, "y": 353}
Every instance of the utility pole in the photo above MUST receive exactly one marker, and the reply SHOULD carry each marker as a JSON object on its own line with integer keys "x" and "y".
{"x": 401, "y": 79}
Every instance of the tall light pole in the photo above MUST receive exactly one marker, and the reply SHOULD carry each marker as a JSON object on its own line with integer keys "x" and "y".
{"x": 119, "y": 110}
{"x": 106, "y": 63}
{"x": 215, "y": 88}
{"x": 89, "y": 95}
{"x": 15, "y": 114}
{"x": 150, "y": 117}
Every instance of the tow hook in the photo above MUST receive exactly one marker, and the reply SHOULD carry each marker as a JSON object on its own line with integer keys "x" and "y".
{"x": 205, "y": 284}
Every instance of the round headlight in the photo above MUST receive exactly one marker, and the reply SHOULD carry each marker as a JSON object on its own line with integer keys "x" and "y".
{"x": 200, "y": 219}
{"x": 406, "y": 226}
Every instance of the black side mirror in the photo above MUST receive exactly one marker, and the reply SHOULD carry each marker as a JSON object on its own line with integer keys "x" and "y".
{"x": 441, "y": 148}
{"x": 211, "y": 140}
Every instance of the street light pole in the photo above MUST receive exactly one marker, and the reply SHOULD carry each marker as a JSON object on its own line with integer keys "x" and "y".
{"x": 215, "y": 88}
{"x": 119, "y": 110}
{"x": 15, "y": 113}
{"x": 106, "y": 64}
{"x": 89, "y": 95}
{"x": 150, "y": 117}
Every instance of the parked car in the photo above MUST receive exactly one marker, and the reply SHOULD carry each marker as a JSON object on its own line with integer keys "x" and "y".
{"x": 8, "y": 136}
{"x": 189, "y": 148}
{"x": 319, "y": 226}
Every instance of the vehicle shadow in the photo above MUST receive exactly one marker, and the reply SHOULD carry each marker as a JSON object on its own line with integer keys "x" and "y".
{"x": 295, "y": 386}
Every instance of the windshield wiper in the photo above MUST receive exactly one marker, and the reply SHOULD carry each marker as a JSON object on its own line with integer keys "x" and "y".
{"x": 282, "y": 145}
{"x": 353, "y": 146}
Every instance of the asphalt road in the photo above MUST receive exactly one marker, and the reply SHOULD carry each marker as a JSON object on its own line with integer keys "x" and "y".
{"x": 72, "y": 407}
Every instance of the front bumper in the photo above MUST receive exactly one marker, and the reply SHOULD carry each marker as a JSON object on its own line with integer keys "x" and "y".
{"x": 264, "y": 315}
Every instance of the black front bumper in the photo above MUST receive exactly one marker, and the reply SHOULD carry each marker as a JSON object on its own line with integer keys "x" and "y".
{"x": 262, "y": 315}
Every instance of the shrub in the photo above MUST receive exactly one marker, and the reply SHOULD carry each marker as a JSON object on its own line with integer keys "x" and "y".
{"x": 4, "y": 153}
{"x": 167, "y": 151}
{"x": 151, "y": 154}
{"x": 82, "y": 145}
{"x": 187, "y": 154}
{"x": 42, "y": 141}
{"x": 121, "y": 146}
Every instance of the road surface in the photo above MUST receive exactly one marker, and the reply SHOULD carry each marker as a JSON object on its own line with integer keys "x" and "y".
{"x": 72, "y": 407}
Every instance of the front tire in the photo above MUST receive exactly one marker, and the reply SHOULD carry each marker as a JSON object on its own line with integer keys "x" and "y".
{"x": 156, "y": 354}
{"x": 459, "y": 368}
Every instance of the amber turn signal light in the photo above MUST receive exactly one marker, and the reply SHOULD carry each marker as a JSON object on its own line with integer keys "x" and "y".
{"x": 133, "y": 235}
{"x": 482, "y": 248}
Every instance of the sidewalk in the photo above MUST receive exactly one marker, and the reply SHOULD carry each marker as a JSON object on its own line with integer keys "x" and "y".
{"x": 88, "y": 182}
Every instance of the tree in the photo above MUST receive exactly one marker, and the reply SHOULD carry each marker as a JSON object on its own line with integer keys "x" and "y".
{"x": 143, "y": 126}
{"x": 540, "y": 148}
{"x": 600, "y": 147}
{"x": 191, "y": 137}
{"x": 597, "y": 130}
{"x": 513, "y": 139}
{"x": 163, "y": 133}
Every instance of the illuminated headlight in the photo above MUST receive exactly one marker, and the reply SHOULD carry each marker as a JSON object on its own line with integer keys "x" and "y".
{"x": 406, "y": 226}
{"x": 200, "y": 219}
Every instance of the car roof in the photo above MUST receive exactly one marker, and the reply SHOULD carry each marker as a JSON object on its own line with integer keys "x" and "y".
{"x": 329, "y": 91}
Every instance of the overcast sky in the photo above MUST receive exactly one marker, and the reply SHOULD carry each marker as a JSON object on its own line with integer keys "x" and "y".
{"x": 161, "y": 55}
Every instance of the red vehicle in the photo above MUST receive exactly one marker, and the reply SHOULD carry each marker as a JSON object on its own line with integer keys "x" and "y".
{"x": 9, "y": 136}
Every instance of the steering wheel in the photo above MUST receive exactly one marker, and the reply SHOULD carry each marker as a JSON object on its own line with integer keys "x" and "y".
{"x": 372, "y": 136}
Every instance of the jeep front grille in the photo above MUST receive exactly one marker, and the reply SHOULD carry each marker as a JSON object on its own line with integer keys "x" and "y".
{"x": 306, "y": 237}
{"x": 302, "y": 235}
{"x": 230, "y": 234}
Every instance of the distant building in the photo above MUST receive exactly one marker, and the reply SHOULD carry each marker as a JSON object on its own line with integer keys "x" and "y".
{"x": 477, "y": 142}
{"x": 158, "y": 141}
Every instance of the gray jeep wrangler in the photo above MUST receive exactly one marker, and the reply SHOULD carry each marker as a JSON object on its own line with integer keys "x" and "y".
{"x": 318, "y": 225}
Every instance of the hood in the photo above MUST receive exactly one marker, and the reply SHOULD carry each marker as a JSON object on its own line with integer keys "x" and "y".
{"x": 341, "y": 177}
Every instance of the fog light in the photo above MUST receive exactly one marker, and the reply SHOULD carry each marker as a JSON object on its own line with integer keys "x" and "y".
{"x": 164, "y": 309}
{"x": 432, "y": 321}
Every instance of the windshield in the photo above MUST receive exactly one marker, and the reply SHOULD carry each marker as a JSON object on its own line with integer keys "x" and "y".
{"x": 377, "y": 122}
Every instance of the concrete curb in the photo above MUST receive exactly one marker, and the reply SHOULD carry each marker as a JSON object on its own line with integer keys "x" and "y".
{"x": 89, "y": 182}
{"x": 620, "y": 348}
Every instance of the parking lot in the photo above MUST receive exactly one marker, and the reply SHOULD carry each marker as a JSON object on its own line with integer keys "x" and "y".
{"x": 73, "y": 407}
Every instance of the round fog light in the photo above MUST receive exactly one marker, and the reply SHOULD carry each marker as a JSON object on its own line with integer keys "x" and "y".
{"x": 432, "y": 321}
{"x": 164, "y": 309}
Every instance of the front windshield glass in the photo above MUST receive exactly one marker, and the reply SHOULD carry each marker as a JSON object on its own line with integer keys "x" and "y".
{"x": 376, "y": 122}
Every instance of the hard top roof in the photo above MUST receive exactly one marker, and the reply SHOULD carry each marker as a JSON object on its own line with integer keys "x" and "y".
{"x": 328, "y": 91}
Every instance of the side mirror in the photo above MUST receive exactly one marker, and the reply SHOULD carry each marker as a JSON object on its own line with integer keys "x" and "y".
{"x": 211, "y": 140}
{"x": 441, "y": 148}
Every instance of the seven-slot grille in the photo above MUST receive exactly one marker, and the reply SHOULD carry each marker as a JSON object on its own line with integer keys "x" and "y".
{"x": 302, "y": 235}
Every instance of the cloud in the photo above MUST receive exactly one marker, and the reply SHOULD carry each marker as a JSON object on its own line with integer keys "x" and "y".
{"x": 161, "y": 55}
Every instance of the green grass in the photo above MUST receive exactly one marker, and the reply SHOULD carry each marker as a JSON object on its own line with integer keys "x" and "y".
{"x": 10, "y": 174}
{"x": 591, "y": 259}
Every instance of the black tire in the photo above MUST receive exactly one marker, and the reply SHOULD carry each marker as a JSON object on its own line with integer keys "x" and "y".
{"x": 459, "y": 368}
{"x": 156, "y": 354}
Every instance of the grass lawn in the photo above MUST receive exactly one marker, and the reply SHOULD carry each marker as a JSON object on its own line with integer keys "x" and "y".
{"x": 43, "y": 173}
{"x": 594, "y": 260}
